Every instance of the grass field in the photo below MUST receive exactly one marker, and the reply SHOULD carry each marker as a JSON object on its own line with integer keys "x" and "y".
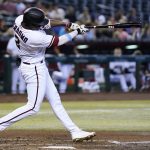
{"x": 124, "y": 115}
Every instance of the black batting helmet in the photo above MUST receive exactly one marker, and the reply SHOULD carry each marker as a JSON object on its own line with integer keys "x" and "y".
{"x": 35, "y": 17}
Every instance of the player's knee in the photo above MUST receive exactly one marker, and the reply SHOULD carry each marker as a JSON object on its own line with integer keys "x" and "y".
{"x": 57, "y": 104}
{"x": 35, "y": 110}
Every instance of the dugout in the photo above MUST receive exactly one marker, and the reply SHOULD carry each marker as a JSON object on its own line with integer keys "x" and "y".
{"x": 5, "y": 68}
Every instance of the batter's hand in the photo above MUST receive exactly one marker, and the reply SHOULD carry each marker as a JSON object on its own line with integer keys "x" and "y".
{"x": 82, "y": 29}
{"x": 74, "y": 26}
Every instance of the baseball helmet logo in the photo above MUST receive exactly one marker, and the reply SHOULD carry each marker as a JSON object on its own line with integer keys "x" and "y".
{"x": 34, "y": 16}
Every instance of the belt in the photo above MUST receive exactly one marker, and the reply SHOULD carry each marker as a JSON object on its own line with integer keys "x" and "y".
{"x": 32, "y": 63}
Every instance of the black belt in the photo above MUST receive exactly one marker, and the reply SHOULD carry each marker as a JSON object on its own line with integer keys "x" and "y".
{"x": 32, "y": 63}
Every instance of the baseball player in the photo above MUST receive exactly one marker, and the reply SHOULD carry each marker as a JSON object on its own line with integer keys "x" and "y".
{"x": 117, "y": 74}
{"x": 17, "y": 79}
{"x": 32, "y": 42}
{"x": 63, "y": 75}
{"x": 129, "y": 73}
{"x": 117, "y": 71}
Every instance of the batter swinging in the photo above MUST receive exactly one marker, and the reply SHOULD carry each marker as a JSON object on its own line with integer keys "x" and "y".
{"x": 32, "y": 42}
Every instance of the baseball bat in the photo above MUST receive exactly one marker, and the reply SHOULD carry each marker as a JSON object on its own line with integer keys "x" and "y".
{"x": 118, "y": 25}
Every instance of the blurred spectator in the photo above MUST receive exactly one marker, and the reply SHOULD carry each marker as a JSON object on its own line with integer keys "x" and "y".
{"x": 120, "y": 17}
{"x": 46, "y": 6}
{"x": 122, "y": 35}
{"x": 100, "y": 20}
{"x": 20, "y": 6}
{"x": 117, "y": 72}
{"x": 146, "y": 32}
{"x": 71, "y": 14}
{"x": 84, "y": 17}
{"x": 18, "y": 84}
{"x": 3, "y": 27}
{"x": 56, "y": 12}
{"x": 30, "y": 3}
{"x": 132, "y": 16}
{"x": 9, "y": 7}
{"x": 111, "y": 20}
{"x": 136, "y": 33}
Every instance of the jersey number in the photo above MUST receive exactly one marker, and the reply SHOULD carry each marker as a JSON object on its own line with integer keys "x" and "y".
{"x": 17, "y": 41}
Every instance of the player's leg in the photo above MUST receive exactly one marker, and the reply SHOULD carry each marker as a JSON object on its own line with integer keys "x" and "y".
{"x": 66, "y": 71}
{"x": 123, "y": 83}
{"x": 14, "y": 80}
{"x": 55, "y": 102}
{"x": 22, "y": 84}
{"x": 121, "y": 79}
{"x": 36, "y": 81}
{"x": 131, "y": 79}
{"x": 99, "y": 74}
{"x": 57, "y": 76}
{"x": 54, "y": 99}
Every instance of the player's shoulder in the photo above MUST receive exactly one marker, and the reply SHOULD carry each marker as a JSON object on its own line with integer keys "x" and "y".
{"x": 18, "y": 20}
{"x": 37, "y": 34}
{"x": 38, "y": 37}
{"x": 11, "y": 40}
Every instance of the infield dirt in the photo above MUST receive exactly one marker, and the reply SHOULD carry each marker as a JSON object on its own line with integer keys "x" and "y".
{"x": 37, "y": 140}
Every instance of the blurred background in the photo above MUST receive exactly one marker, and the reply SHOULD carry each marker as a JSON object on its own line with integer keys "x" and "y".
{"x": 102, "y": 60}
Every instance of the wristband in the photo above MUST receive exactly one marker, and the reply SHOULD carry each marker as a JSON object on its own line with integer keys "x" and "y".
{"x": 69, "y": 37}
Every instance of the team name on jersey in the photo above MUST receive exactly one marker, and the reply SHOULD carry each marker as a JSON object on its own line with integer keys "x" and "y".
{"x": 20, "y": 34}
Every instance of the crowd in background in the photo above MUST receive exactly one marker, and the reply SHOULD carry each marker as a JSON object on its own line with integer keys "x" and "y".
{"x": 10, "y": 9}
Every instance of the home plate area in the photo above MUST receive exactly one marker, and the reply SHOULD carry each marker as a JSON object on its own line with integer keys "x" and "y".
{"x": 60, "y": 140}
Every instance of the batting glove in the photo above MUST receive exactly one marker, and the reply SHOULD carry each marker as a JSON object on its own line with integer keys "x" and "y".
{"x": 82, "y": 29}
{"x": 73, "y": 26}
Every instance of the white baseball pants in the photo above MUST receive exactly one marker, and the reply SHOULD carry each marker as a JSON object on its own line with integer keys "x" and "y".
{"x": 39, "y": 84}
{"x": 121, "y": 79}
{"x": 17, "y": 80}
{"x": 66, "y": 70}
{"x": 131, "y": 79}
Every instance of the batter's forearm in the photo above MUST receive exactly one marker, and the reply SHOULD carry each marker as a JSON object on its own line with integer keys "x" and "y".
{"x": 67, "y": 37}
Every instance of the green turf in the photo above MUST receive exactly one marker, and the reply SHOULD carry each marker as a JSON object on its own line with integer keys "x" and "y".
{"x": 93, "y": 115}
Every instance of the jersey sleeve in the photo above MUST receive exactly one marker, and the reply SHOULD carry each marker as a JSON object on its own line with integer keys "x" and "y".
{"x": 41, "y": 40}
{"x": 49, "y": 40}
{"x": 9, "y": 45}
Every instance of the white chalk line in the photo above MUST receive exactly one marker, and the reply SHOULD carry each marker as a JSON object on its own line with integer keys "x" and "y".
{"x": 95, "y": 111}
{"x": 126, "y": 143}
{"x": 57, "y": 147}
{"x": 90, "y": 111}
